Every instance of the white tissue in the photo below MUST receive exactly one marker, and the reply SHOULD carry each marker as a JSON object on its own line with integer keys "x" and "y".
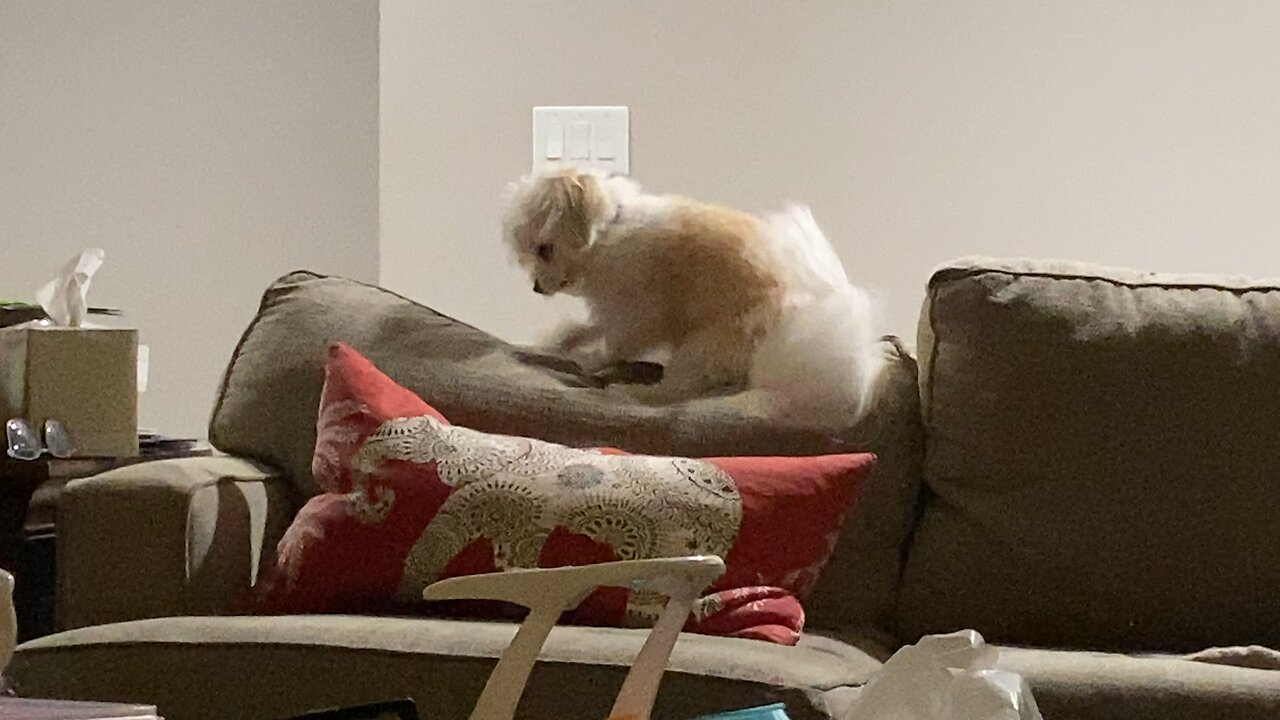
{"x": 64, "y": 297}
{"x": 944, "y": 677}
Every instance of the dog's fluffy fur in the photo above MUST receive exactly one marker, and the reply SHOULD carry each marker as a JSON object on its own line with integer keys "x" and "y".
{"x": 739, "y": 301}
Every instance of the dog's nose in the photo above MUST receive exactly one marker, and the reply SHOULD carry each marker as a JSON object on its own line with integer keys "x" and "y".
{"x": 537, "y": 287}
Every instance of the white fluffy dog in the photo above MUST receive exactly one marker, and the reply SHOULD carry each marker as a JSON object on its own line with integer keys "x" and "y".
{"x": 739, "y": 301}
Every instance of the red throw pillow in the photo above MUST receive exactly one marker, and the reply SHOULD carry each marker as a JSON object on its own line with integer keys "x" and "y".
{"x": 410, "y": 499}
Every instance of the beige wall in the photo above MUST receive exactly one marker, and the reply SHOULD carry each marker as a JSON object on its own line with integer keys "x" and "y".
{"x": 207, "y": 146}
{"x": 1135, "y": 133}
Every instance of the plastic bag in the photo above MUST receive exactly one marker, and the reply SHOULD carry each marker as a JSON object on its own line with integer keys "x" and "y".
{"x": 944, "y": 677}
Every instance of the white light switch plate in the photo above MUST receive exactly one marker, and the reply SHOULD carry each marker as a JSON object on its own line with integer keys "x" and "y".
{"x": 594, "y": 137}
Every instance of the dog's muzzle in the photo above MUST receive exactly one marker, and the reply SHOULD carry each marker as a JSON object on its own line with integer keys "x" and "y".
{"x": 537, "y": 287}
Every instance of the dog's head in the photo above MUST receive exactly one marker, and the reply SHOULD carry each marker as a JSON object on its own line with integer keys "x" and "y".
{"x": 549, "y": 225}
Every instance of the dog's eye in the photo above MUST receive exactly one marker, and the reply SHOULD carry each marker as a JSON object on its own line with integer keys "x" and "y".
{"x": 543, "y": 251}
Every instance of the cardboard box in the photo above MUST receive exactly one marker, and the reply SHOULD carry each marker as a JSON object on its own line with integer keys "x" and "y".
{"x": 88, "y": 379}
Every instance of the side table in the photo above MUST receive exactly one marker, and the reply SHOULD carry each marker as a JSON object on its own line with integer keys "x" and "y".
{"x": 29, "y": 491}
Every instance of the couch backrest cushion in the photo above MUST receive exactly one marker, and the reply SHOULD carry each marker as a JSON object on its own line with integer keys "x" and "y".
{"x": 268, "y": 403}
{"x": 1102, "y": 458}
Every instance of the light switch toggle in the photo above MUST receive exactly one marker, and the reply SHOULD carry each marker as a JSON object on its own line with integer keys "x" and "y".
{"x": 555, "y": 142}
{"x": 578, "y": 140}
{"x": 606, "y": 143}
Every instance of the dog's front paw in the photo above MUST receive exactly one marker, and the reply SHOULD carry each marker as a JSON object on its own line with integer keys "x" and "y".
{"x": 630, "y": 373}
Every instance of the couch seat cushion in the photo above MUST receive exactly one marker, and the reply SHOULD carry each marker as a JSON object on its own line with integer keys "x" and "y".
{"x": 1104, "y": 686}
{"x": 1078, "y": 685}
{"x": 249, "y": 667}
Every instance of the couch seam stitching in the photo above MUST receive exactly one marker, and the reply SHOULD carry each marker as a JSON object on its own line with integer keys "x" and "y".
{"x": 952, "y": 274}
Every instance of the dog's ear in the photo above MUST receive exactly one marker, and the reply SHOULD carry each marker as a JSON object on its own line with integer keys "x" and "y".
{"x": 587, "y": 199}
{"x": 571, "y": 192}
{"x": 593, "y": 197}
{"x": 568, "y": 203}
{"x": 568, "y": 194}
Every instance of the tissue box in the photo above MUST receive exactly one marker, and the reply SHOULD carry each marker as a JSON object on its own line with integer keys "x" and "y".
{"x": 88, "y": 379}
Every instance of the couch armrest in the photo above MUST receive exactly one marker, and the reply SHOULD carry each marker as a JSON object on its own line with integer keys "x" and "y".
{"x": 171, "y": 537}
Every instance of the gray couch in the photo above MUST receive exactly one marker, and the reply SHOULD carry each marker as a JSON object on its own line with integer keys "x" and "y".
{"x": 1085, "y": 467}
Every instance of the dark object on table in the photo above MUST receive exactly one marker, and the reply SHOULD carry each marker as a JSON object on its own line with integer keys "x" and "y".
{"x": 153, "y": 446}
{"x": 18, "y": 313}
{"x": 393, "y": 710}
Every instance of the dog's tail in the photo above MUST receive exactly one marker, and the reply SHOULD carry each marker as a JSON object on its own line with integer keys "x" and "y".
{"x": 823, "y": 355}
